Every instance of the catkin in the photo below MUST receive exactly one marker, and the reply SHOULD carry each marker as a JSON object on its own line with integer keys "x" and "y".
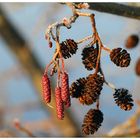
{"x": 59, "y": 103}
{"x": 46, "y": 88}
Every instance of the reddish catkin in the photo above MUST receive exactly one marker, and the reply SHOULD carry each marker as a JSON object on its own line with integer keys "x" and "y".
{"x": 46, "y": 88}
{"x": 65, "y": 94}
{"x": 59, "y": 103}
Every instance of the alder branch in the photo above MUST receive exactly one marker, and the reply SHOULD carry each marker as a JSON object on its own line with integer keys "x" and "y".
{"x": 117, "y": 9}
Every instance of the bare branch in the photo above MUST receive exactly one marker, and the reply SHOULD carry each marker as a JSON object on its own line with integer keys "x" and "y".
{"x": 118, "y": 9}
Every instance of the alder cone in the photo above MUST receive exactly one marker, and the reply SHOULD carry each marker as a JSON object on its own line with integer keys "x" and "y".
{"x": 92, "y": 121}
{"x": 120, "y": 57}
{"x": 77, "y": 87}
{"x": 137, "y": 67}
{"x": 92, "y": 89}
{"x": 65, "y": 94}
{"x": 68, "y": 48}
{"x": 59, "y": 103}
{"x": 123, "y": 99}
{"x": 46, "y": 89}
{"x": 89, "y": 57}
{"x": 132, "y": 41}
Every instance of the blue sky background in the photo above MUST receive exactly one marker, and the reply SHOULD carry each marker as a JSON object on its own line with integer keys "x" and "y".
{"x": 32, "y": 21}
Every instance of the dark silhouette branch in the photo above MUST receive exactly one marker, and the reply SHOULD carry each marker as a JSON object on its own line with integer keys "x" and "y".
{"x": 118, "y": 9}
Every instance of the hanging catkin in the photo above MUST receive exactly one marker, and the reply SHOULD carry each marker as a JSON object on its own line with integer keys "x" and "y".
{"x": 59, "y": 103}
{"x": 46, "y": 88}
{"x": 65, "y": 94}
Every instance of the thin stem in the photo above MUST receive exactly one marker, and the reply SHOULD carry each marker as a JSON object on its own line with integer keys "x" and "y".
{"x": 98, "y": 57}
{"x": 107, "y": 83}
{"x": 83, "y": 14}
{"x": 106, "y": 49}
{"x": 47, "y": 36}
{"x": 58, "y": 74}
{"x": 47, "y": 67}
{"x": 49, "y": 31}
{"x": 110, "y": 85}
{"x": 93, "y": 23}
{"x": 84, "y": 39}
{"x": 58, "y": 46}
{"x": 52, "y": 61}
{"x": 90, "y": 44}
{"x": 23, "y": 129}
{"x": 91, "y": 18}
{"x": 50, "y": 105}
{"x": 97, "y": 104}
{"x": 53, "y": 36}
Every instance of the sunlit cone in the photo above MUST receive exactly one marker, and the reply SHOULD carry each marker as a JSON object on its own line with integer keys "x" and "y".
{"x": 92, "y": 89}
{"x": 65, "y": 94}
{"x": 120, "y": 57}
{"x": 89, "y": 57}
{"x": 59, "y": 103}
{"x": 92, "y": 121}
{"x": 77, "y": 87}
{"x": 123, "y": 99}
{"x": 132, "y": 41}
{"x": 46, "y": 89}
{"x": 68, "y": 48}
{"x": 137, "y": 67}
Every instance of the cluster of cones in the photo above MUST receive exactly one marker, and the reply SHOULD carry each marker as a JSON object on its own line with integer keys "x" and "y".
{"x": 94, "y": 117}
{"x": 87, "y": 89}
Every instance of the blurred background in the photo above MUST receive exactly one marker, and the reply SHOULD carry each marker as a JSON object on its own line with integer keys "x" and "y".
{"x": 24, "y": 54}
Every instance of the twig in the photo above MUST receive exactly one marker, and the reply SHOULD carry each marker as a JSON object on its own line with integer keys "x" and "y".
{"x": 67, "y": 23}
{"x": 117, "y": 9}
{"x": 106, "y": 49}
{"x": 84, "y": 39}
{"x": 97, "y": 104}
{"x": 18, "y": 126}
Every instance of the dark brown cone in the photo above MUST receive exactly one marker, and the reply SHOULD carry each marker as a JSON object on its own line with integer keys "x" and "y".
{"x": 137, "y": 67}
{"x": 132, "y": 41}
{"x": 123, "y": 99}
{"x": 65, "y": 94}
{"x": 120, "y": 57}
{"x": 68, "y": 48}
{"x": 92, "y": 89}
{"x": 92, "y": 121}
{"x": 89, "y": 57}
{"x": 77, "y": 87}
